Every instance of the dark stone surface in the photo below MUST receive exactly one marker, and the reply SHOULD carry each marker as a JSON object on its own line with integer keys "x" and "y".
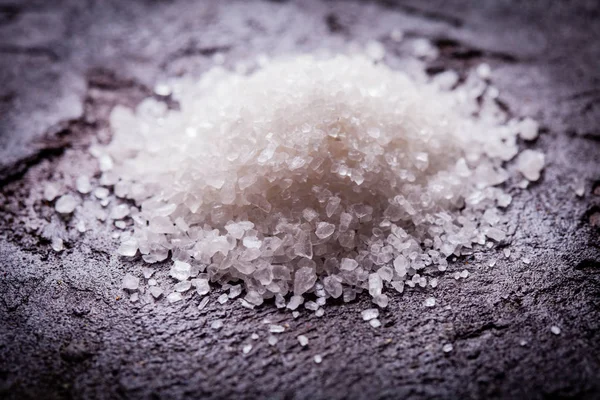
{"x": 64, "y": 334}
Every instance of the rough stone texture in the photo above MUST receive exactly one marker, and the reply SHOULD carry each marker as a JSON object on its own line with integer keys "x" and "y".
{"x": 67, "y": 330}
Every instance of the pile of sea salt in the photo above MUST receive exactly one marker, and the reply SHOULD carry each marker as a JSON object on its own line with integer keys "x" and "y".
{"x": 318, "y": 178}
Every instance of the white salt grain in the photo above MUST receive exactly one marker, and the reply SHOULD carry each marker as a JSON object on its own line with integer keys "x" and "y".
{"x": 430, "y": 302}
{"x": 203, "y": 303}
{"x": 530, "y": 163}
{"x": 216, "y": 324}
{"x": 247, "y": 348}
{"x": 57, "y": 244}
{"x": 303, "y": 340}
{"x": 318, "y": 359}
{"x": 375, "y": 323}
{"x": 130, "y": 282}
{"x": 447, "y": 348}
{"x": 51, "y": 191}
{"x": 272, "y": 340}
{"x": 555, "y": 330}
{"x": 174, "y": 297}
{"x": 276, "y": 329}
{"x": 369, "y": 314}
{"x": 65, "y": 204}
{"x": 83, "y": 184}
{"x": 156, "y": 292}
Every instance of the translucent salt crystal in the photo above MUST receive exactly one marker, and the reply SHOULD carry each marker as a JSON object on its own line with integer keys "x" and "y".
{"x": 375, "y": 285}
{"x": 101, "y": 193}
{"x": 400, "y": 265}
{"x": 203, "y": 303}
{"x": 152, "y": 282}
{"x": 130, "y": 282}
{"x": 254, "y": 336}
{"x": 65, "y": 204}
{"x": 318, "y": 359}
{"x": 202, "y": 286}
{"x": 531, "y": 163}
{"x": 304, "y": 280}
{"x": 51, "y": 191}
{"x": 134, "y": 297}
{"x": 180, "y": 270}
{"x": 555, "y": 330}
{"x": 375, "y": 323}
{"x": 386, "y": 273}
{"x": 57, "y": 244}
{"x": 235, "y": 291}
{"x": 320, "y": 312}
{"x": 504, "y": 200}
{"x": 216, "y": 324}
{"x": 183, "y": 286}
{"x": 105, "y": 162}
{"x": 276, "y": 329}
{"x": 174, "y": 297}
{"x": 579, "y": 187}
{"x": 526, "y": 260}
{"x": 430, "y": 302}
{"x": 506, "y": 253}
{"x": 528, "y": 129}
{"x": 83, "y": 184}
{"x": 375, "y": 50}
{"x": 156, "y": 292}
{"x": 295, "y": 301}
{"x": 311, "y": 305}
{"x": 252, "y": 242}
{"x": 333, "y": 286}
{"x": 369, "y": 314}
{"x": 324, "y": 230}
{"x": 162, "y": 89}
{"x": 295, "y": 314}
{"x": 222, "y": 299}
{"x": 348, "y": 264}
{"x": 495, "y": 234}
{"x": 81, "y": 226}
{"x": 119, "y": 212}
{"x": 464, "y": 273}
{"x": 254, "y": 298}
{"x": 381, "y": 300}
{"x": 303, "y": 340}
{"x": 447, "y": 348}
{"x": 272, "y": 340}
{"x": 247, "y": 348}
{"x": 433, "y": 282}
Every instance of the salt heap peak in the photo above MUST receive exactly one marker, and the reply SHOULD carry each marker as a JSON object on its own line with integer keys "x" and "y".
{"x": 328, "y": 176}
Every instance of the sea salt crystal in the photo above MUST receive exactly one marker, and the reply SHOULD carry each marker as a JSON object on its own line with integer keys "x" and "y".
{"x": 130, "y": 282}
{"x": 375, "y": 323}
{"x": 528, "y": 129}
{"x": 464, "y": 274}
{"x": 324, "y": 230}
{"x": 276, "y": 328}
{"x": 174, "y": 297}
{"x": 156, "y": 292}
{"x": 222, "y": 299}
{"x": 247, "y": 348}
{"x": 152, "y": 282}
{"x": 182, "y": 287}
{"x": 272, "y": 340}
{"x": 254, "y": 336}
{"x": 216, "y": 324}
{"x": 447, "y": 348}
{"x": 51, "y": 191}
{"x": 81, "y": 228}
{"x": 295, "y": 314}
{"x": 318, "y": 359}
{"x": 320, "y": 312}
{"x": 203, "y": 303}
{"x": 303, "y": 340}
{"x": 180, "y": 270}
{"x": 202, "y": 286}
{"x": 369, "y": 314}
{"x": 57, "y": 244}
{"x": 65, "y": 204}
{"x": 530, "y": 163}
{"x": 555, "y": 330}
{"x": 348, "y": 264}
{"x": 83, "y": 184}
{"x": 526, "y": 260}
{"x": 430, "y": 302}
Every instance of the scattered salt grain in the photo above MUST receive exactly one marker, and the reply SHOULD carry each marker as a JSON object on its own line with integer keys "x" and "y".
{"x": 464, "y": 274}
{"x": 216, "y": 324}
{"x": 272, "y": 340}
{"x": 155, "y": 291}
{"x": 526, "y": 260}
{"x": 276, "y": 329}
{"x": 65, "y": 204}
{"x": 203, "y": 303}
{"x": 530, "y": 163}
{"x": 174, "y": 297}
{"x": 222, "y": 299}
{"x": 375, "y": 323}
{"x": 318, "y": 359}
{"x": 57, "y": 244}
{"x": 528, "y": 129}
{"x": 180, "y": 270}
{"x": 447, "y": 348}
{"x": 83, "y": 184}
{"x": 369, "y": 314}
{"x": 320, "y": 312}
{"x": 430, "y": 302}
{"x": 182, "y": 287}
{"x": 303, "y": 340}
{"x": 81, "y": 228}
{"x": 555, "y": 330}
{"x": 247, "y": 348}
{"x": 51, "y": 191}
{"x": 130, "y": 282}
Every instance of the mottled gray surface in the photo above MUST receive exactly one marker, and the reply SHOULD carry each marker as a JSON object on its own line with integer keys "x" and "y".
{"x": 64, "y": 334}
